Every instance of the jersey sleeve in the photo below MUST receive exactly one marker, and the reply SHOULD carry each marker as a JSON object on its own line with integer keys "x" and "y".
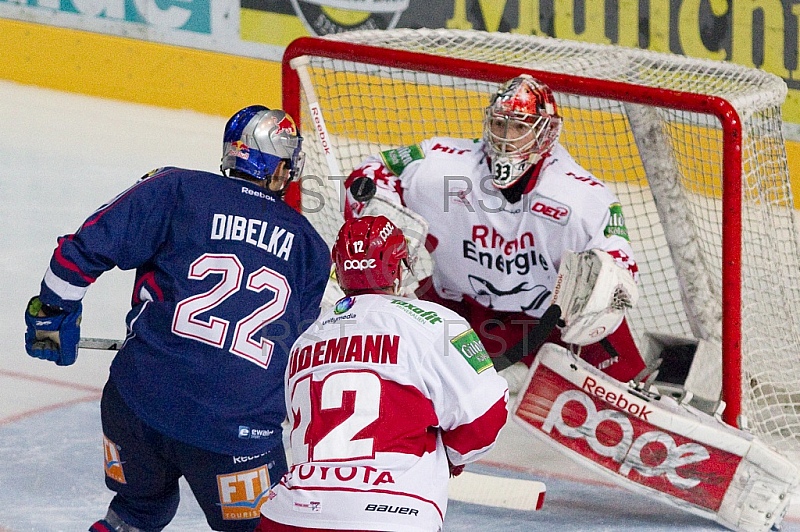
{"x": 124, "y": 233}
{"x": 317, "y": 267}
{"x": 471, "y": 399}
{"x": 389, "y": 170}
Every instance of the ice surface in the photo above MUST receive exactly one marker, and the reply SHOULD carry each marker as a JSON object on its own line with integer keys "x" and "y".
{"x": 63, "y": 155}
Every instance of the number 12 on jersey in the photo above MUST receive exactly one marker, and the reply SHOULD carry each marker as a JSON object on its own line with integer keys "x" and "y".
{"x": 333, "y": 413}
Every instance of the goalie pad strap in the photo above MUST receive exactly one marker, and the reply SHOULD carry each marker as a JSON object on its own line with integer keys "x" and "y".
{"x": 653, "y": 445}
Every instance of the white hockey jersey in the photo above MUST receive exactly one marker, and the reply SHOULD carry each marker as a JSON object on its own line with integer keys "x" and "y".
{"x": 381, "y": 390}
{"x": 503, "y": 255}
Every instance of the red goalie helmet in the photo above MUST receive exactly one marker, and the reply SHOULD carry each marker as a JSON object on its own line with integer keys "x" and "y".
{"x": 520, "y": 126}
{"x": 369, "y": 253}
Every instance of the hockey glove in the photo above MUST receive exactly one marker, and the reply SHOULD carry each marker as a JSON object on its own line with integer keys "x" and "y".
{"x": 52, "y": 333}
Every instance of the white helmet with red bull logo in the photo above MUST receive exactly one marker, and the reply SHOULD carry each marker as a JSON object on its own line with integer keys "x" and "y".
{"x": 520, "y": 125}
{"x": 257, "y": 139}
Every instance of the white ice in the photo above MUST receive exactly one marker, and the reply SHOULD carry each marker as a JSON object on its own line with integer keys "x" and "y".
{"x": 63, "y": 155}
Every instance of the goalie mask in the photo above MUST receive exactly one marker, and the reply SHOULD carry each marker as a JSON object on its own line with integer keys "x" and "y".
{"x": 520, "y": 126}
{"x": 257, "y": 139}
{"x": 369, "y": 254}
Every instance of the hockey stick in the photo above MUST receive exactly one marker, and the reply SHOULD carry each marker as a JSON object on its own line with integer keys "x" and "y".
{"x": 499, "y": 492}
{"x": 536, "y": 337}
{"x": 471, "y": 488}
{"x": 106, "y": 344}
{"x": 375, "y": 204}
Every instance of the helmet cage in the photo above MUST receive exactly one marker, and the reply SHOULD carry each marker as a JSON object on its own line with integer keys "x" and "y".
{"x": 369, "y": 255}
{"x": 522, "y": 108}
{"x": 257, "y": 139}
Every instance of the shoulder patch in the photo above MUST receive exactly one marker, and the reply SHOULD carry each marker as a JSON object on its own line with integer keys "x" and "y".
{"x": 616, "y": 223}
{"x": 398, "y": 159}
{"x": 471, "y": 348}
{"x": 419, "y": 314}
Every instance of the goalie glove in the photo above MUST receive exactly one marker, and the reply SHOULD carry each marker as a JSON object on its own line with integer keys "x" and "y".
{"x": 52, "y": 333}
{"x": 594, "y": 293}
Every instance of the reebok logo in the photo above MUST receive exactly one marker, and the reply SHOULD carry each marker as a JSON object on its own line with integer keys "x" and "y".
{"x": 616, "y": 399}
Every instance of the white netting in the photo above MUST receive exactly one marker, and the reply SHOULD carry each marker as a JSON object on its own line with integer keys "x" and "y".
{"x": 641, "y": 151}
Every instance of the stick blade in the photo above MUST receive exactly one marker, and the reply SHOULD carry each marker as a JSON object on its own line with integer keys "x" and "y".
{"x": 487, "y": 490}
{"x": 106, "y": 344}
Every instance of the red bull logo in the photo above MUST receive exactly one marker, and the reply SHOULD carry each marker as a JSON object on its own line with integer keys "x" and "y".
{"x": 112, "y": 465}
{"x": 286, "y": 125}
{"x": 241, "y": 494}
{"x": 239, "y": 150}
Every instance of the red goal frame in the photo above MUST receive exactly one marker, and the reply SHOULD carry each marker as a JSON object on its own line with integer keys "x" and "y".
{"x": 624, "y": 92}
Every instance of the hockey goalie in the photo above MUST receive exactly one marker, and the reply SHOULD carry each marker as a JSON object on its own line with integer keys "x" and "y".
{"x": 644, "y": 440}
{"x": 514, "y": 223}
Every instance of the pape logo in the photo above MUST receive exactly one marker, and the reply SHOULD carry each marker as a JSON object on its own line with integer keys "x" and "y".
{"x": 612, "y": 429}
{"x": 627, "y": 451}
{"x": 363, "y": 264}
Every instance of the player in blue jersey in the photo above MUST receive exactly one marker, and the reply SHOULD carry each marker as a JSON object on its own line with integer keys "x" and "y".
{"x": 227, "y": 276}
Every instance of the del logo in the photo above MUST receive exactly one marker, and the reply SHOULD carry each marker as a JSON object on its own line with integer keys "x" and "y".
{"x": 612, "y": 429}
{"x": 550, "y": 210}
{"x": 322, "y": 17}
{"x": 113, "y": 465}
{"x": 241, "y": 494}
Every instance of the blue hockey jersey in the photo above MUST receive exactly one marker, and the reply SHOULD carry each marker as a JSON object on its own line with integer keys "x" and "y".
{"x": 227, "y": 276}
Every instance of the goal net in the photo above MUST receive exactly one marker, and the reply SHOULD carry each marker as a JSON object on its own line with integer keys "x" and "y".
{"x": 693, "y": 148}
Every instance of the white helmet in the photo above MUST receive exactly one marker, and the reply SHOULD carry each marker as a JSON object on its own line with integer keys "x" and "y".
{"x": 520, "y": 126}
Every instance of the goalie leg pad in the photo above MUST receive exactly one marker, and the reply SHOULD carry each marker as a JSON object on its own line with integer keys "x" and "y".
{"x": 654, "y": 445}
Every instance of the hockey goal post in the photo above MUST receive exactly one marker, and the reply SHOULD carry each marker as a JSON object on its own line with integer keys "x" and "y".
{"x": 693, "y": 148}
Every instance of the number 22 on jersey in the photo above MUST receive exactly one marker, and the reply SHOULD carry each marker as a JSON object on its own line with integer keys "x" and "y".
{"x": 214, "y": 330}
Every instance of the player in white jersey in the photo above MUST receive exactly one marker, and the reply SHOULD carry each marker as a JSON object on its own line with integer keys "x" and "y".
{"x": 501, "y": 212}
{"x": 386, "y": 396}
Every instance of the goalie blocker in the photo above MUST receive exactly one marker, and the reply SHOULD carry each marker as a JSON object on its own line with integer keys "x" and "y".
{"x": 654, "y": 445}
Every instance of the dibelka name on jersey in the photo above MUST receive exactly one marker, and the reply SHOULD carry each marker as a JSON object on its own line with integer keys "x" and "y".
{"x": 254, "y": 232}
{"x": 488, "y": 248}
{"x": 374, "y": 348}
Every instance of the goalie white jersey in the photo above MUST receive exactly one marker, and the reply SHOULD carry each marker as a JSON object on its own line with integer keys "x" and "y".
{"x": 381, "y": 391}
{"x": 504, "y": 255}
